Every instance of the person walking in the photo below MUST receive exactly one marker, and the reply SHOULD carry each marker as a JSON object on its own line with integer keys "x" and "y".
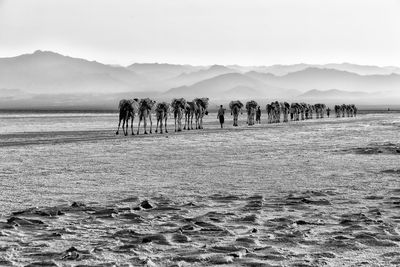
{"x": 220, "y": 116}
{"x": 328, "y": 112}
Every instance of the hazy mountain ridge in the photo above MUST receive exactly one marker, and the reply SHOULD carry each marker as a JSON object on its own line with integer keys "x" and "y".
{"x": 219, "y": 87}
{"x": 326, "y": 79}
{"x": 44, "y": 73}
{"x": 314, "y": 93}
{"x": 281, "y": 70}
{"x": 48, "y": 72}
{"x": 162, "y": 71}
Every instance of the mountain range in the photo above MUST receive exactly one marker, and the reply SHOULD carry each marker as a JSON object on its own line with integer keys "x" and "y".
{"x": 48, "y": 79}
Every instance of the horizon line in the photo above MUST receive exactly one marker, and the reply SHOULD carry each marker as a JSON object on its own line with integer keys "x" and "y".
{"x": 195, "y": 65}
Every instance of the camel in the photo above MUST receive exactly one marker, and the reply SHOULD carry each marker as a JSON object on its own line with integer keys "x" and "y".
{"x": 311, "y": 110}
{"x": 178, "y": 107}
{"x": 337, "y": 111}
{"x": 145, "y": 107}
{"x": 303, "y": 111}
{"x": 162, "y": 110}
{"x": 344, "y": 108}
{"x": 127, "y": 109}
{"x": 295, "y": 110}
{"x": 251, "y": 111}
{"x": 274, "y": 111}
{"x": 354, "y": 109}
{"x": 319, "y": 110}
{"x": 323, "y": 108}
{"x": 276, "y": 107}
{"x": 285, "y": 107}
{"x": 268, "y": 107}
{"x": 190, "y": 111}
{"x": 202, "y": 105}
{"x": 236, "y": 107}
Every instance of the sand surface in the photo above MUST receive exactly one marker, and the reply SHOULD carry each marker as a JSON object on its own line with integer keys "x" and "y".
{"x": 312, "y": 193}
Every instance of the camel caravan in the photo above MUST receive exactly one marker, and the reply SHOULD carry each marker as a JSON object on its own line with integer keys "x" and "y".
{"x": 343, "y": 110}
{"x": 198, "y": 108}
{"x": 129, "y": 109}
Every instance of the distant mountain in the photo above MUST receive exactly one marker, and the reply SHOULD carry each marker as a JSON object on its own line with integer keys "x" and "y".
{"x": 162, "y": 72}
{"x": 362, "y": 69}
{"x": 333, "y": 93}
{"x": 48, "y": 72}
{"x": 223, "y": 85}
{"x": 326, "y": 79}
{"x": 194, "y": 77}
{"x": 281, "y": 70}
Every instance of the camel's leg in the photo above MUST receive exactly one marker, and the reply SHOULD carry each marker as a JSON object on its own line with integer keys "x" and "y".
{"x": 165, "y": 124}
{"x": 175, "y": 121}
{"x": 119, "y": 124}
{"x": 127, "y": 126}
{"x": 133, "y": 117}
{"x": 151, "y": 123}
{"x": 179, "y": 122}
{"x": 161, "y": 131}
{"x": 157, "y": 124}
{"x": 145, "y": 124}
{"x": 200, "y": 121}
{"x": 140, "y": 120}
{"x": 123, "y": 126}
{"x": 178, "y": 119}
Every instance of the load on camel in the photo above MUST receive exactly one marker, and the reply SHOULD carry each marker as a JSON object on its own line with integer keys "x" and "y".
{"x": 251, "y": 111}
{"x": 236, "y": 107}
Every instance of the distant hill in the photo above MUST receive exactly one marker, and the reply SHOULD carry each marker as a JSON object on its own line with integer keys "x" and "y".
{"x": 194, "y": 77}
{"x": 222, "y": 85}
{"x": 333, "y": 93}
{"x": 362, "y": 69}
{"x": 162, "y": 72}
{"x": 48, "y": 72}
{"x": 326, "y": 79}
{"x": 281, "y": 70}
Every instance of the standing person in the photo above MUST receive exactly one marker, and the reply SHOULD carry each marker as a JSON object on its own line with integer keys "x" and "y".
{"x": 220, "y": 116}
{"x": 328, "y": 112}
{"x": 258, "y": 115}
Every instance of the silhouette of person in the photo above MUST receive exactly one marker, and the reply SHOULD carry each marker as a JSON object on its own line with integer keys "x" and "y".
{"x": 328, "y": 112}
{"x": 221, "y": 114}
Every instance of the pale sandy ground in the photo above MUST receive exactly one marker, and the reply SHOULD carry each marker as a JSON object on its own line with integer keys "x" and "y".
{"x": 313, "y": 193}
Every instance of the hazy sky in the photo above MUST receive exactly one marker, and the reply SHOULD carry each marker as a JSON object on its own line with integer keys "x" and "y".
{"x": 246, "y": 32}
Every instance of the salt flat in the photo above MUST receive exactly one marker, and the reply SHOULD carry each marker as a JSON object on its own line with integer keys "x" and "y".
{"x": 305, "y": 193}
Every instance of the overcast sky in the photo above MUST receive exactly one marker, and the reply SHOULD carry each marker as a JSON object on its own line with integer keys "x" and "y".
{"x": 246, "y": 32}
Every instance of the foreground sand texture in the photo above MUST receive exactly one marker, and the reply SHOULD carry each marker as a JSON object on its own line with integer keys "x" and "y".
{"x": 313, "y": 193}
